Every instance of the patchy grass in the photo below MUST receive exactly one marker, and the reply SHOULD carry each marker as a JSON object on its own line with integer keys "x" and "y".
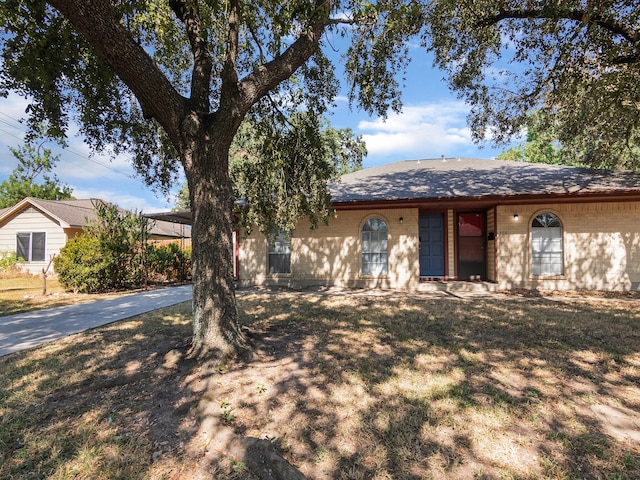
{"x": 346, "y": 386}
{"x": 23, "y": 293}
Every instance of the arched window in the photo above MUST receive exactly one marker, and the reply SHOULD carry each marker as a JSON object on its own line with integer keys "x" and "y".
{"x": 546, "y": 245}
{"x": 374, "y": 247}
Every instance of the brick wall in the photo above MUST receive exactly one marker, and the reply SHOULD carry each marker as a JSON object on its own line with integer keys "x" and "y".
{"x": 601, "y": 246}
{"x": 330, "y": 255}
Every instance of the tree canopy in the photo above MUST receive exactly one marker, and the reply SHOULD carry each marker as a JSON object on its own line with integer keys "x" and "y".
{"x": 33, "y": 177}
{"x": 272, "y": 170}
{"x": 172, "y": 81}
{"x": 576, "y": 63}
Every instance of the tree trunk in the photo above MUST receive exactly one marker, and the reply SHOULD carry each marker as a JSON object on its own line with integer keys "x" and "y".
{"x": 216, "y": 330}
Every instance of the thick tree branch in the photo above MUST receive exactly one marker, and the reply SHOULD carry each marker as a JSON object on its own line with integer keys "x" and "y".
{"x": 613, "y": 25}
{"x": 202, "y": 62}
{"x": 229, "y": 73}
{"x": 101, "y": 28}
{"x": 627, "y": 59}
{"x": 267, "y": 76}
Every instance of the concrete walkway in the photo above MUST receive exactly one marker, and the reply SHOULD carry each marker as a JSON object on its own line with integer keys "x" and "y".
{"x": 26, "y": 330}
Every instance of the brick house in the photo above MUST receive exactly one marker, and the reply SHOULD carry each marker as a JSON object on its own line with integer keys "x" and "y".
{"x": 512, "y": 224}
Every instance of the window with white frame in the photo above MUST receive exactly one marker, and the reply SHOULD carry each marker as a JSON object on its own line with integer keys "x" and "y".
{"x": 30, "y": 246}
{"x": 374, "y": 246}
{"x": 279, "y": 260}
{"x": 546, "y": 246}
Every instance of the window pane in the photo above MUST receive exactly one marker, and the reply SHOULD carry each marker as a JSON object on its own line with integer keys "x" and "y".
{"x": 22, "y": 246}
{"x": 546, "y": 245}
{"x": 279, "y": 263}
{"x": 279, "y": 258}
{"x": 37, "y": 247}
{"x": 374, "y": 225}
{"x": 374, "y": 246}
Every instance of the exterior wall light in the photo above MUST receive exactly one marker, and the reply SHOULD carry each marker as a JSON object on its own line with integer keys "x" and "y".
{"x": 401, "y": 219}
{"x": 516, "y": 217}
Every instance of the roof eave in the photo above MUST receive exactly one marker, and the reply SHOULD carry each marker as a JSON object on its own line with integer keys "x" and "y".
{"x": 34, "y": 203}
{"x": 564, "y": 197}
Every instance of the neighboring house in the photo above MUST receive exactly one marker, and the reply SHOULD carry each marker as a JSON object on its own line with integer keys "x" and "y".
{"x": 518, "y": 225}
{"x": 37, "y": 229}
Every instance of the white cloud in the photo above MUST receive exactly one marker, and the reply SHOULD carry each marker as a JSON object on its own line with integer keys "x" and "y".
{"x": 89, "y": 176}
{"x": 137, "y": 200}
{"x": 419, "y": 131}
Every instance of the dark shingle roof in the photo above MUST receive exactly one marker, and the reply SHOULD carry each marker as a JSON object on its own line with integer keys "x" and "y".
{"x": 75, "y": 213}
{"x": 455, "y": 178}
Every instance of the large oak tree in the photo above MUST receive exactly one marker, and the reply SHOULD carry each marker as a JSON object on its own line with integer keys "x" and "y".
{"x": 171, "y": 81}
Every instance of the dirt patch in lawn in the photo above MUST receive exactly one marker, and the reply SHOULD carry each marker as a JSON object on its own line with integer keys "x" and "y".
{"x": 343, "y": 386}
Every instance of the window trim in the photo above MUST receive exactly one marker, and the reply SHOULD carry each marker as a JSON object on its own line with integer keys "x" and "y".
{"x": 532, "y": 253}
{"x": 30, "y": 246}
{"x": 362, "y": 273}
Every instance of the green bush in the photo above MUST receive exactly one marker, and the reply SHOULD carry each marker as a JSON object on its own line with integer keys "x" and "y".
{"x": 168, "y": 262}
{"x": 81, "y": 267}
{"x": 10, "y": 262}
{"x": 108, "y": 256}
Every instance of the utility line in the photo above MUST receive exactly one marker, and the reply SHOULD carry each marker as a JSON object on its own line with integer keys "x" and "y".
{"x": 66, "y": 149}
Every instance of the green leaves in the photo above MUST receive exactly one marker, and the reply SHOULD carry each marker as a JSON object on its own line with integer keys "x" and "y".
{"x": 33, "y": 164}
{"x": 379, "y": 52}
{"x": 282, "y": 173}
{"x": 576, "y": 63}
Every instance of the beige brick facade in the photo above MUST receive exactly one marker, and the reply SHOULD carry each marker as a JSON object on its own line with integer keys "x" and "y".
{"x": 330, "y": 255}
{"x": 601, "y": 249}
{"x": 601, "y": 246}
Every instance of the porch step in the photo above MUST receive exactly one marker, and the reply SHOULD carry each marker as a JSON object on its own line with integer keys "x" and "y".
{"x": 458, "y": 287}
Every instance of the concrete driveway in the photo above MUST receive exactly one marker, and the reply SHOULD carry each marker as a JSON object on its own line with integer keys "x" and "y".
{"x": 26, "y": 330}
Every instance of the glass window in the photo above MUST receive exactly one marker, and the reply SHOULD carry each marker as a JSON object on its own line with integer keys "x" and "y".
{"x": 280, "y": 252}
{"x": 546, "y": 245}
{"x": 30, "y": 246}
{"x": 374, "y": 246}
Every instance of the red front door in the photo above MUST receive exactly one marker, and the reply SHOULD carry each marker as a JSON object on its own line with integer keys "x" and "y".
{"x": 471, "y": 249}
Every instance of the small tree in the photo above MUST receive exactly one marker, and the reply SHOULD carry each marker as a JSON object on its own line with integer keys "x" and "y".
{"x": 23, "y": 180}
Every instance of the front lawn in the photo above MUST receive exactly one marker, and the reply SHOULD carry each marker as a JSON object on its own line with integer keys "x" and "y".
{"x": 21, "y": 293}
{"x": 346, "y": 386}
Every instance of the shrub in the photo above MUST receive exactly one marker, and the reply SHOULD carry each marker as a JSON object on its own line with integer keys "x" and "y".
{"x": 108, "y": 256}
{"x": 10, "y": 262}
{"x": 168, "y": 262}
{"x": 81, "y": 266}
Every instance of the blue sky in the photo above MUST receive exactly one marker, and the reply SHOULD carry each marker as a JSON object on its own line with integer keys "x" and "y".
{"x": 432, "y": 124}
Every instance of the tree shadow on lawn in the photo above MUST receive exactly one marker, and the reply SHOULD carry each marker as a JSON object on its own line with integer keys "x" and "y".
{"x": 344, "y": 386}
